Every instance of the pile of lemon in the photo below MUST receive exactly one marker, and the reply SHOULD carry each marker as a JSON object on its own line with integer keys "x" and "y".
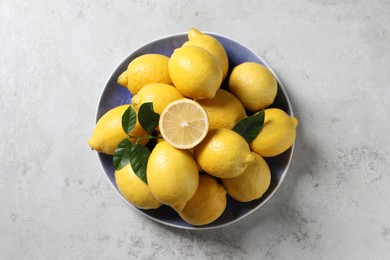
{"x": 199, "y": 158}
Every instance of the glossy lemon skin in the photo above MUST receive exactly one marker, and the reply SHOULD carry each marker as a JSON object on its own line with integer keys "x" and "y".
{"x": 172, "y": 175}
{"x": 108, "y": 132}
{"x": 277, "y": 134}
{"x": 159, "y": 94}
{"x": 223, "y": 153}
{"x": 195, "y": 72}
{"x": 224, "y": 110}
{"x": 135, "y": 190}
{"x": 252, "y": 183}
{"x": 207, "y": 204}
{"x": 145, "y": 69}
{"x": 254, "y": 85}
{"x": 212, "y": 45}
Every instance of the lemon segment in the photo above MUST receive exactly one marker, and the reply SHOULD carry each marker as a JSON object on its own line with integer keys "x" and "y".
{"x": 184, "y": 123}
{"x": 134, "y": 190}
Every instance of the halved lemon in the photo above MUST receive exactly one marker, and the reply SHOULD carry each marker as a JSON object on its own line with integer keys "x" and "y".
{"x": 184, "y": 123}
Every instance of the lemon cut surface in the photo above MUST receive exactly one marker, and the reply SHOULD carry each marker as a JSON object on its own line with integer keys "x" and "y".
{"x": 184, "y": 123}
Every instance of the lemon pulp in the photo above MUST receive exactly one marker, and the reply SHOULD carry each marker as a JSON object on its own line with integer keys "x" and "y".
{"x": 184, "y": 123}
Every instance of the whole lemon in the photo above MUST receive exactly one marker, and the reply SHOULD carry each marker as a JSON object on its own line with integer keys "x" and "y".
{"x": 145, "y": 69}
{"x": 252, "y": 183}
{"x": 254, "y": 85}
{"x": 195, "y": 72}
{"x": 277, "y": 134}
{"x": 134, "y": 190}
{"x": 208, "y": 203}
{"x": 212, "y": 45}
{"x": 224, "y": 110}
{"x": 223, "y": 153}
{"x": 172, "y": 175}
{"x": 159, "y": 94}
{"x": 108, "y": 132}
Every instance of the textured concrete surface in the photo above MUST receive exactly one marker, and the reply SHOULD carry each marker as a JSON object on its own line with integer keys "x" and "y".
{"x": 334, "y": 58}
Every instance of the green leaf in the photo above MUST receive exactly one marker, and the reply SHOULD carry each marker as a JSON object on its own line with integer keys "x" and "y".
{"x": 147, "y": 117}
{"x": 250, "y": 127}
{"x": 122, "y": 154}
{"x": 139, "y": 156}
{"x": 129, "y": 119}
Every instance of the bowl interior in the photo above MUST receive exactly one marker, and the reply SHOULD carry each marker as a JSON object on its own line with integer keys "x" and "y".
{"x": 115, "y": 95}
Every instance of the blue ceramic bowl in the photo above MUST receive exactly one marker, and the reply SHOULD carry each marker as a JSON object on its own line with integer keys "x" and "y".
{"x": 114, "y": 95}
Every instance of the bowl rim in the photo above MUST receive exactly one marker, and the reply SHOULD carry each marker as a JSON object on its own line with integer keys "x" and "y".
{"x": 190, "y": 227}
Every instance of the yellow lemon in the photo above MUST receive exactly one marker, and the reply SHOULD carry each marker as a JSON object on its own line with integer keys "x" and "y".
{"x": 122, "y": 79}
{"x": 145, "y": 69}
{"x": 208, "y": 203}
{"x": 252, "y": 183}
{"x": 184, "y": 123}
{"x": 195, "y": 72}
{"x": 159, "y": 94}
{"x": 172, "y": 175}
{"x": 254, "y": 85}
{"x": 134, "y": 190}
{"x": 223, "y": 153}
{"x": 224, "y": 110}
{"x": 212, "y": 45}
{"x": 108, "y": 132}
{"x": 277, "y": 134}
{"x": 192, "y": 151}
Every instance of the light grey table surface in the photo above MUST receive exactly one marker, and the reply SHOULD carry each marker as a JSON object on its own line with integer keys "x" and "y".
{"x": 334, "y": 59}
